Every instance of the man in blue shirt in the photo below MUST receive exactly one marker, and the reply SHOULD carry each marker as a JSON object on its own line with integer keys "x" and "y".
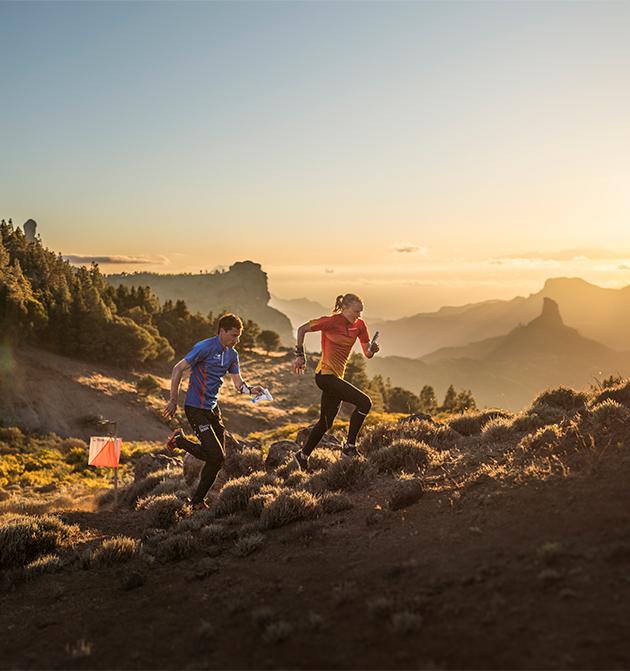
{"x": 208, "y": 362}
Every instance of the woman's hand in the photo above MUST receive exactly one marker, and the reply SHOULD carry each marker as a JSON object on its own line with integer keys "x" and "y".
{"x": 373, "y": 350}
{"x": 299, "y": 365}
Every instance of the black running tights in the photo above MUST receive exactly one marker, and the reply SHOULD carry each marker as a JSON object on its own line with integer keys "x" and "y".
{"x": 334, "y": 391}
{"x": 208, "y": 427}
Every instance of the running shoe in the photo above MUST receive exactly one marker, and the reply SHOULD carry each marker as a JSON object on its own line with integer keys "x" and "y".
{"x": 349, "y": 451}
{"x": 171, "y": 443}
{"x": 301, "y": 460}
{"x": 202, "y": 505}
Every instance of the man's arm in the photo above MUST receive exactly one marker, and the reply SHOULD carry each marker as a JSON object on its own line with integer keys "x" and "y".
{"x": 176, "y": 377}
{"x": 242, "y": 386}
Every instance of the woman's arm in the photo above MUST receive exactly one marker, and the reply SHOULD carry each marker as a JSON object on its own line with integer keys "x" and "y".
{"x": 299, "y": 363}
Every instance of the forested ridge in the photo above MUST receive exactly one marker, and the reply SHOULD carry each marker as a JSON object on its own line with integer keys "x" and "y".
{"x": 45, "y": 301}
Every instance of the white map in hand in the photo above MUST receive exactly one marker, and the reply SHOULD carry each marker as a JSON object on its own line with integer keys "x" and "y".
{"x": 263, "y": 396}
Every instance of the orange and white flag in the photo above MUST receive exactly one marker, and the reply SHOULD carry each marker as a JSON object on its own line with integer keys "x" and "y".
{"x": 104, "y": 451}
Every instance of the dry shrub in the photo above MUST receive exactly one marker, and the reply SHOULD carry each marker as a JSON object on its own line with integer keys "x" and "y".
{"x": 143, "y": 487}
{"x": 404, "y": 454}
{"x": 45, "y": 564}
{"x": 235, "y": 494}
{"x": 115, "y": 550}
{"x": 335, "y": 502}
{"x": 619, "y": 392}
{"x": 164, "y": 511}
{"x": 175, "y": 485}
{"x": 245, "y": 545}
{"x": 243, "y": 462}
{"x": 608, "y": 417}
{"x": 175, "y": 547}
{"x": 497, "y": 430}
{"x": 290, "y": 506}
{"x": 24, "y": 538}
{"x": 347, "y": 474}
{"x": 211, "y": 534}
{"x": 471, "y": 423}
{"x": 532, "y": 420}
{"x": 321, "y": 458}
{"x": 432, "y": 433}
{"x": 297, "y": 480}
{"x": 546, "y": 438}
{"x": 405, "y": 492}
{"x": 564, "y": 398}
{"x": 265, "y": 495}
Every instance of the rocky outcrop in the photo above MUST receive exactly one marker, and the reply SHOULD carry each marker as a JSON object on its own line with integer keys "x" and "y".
{"x": 241, "y": 289}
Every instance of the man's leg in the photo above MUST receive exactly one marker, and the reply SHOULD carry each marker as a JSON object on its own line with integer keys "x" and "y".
{"x": 208, "y": 427}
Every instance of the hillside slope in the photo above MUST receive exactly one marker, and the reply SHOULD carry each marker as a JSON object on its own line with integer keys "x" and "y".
{"x": 46, "y": 392}
{"x": 517, "y": 556}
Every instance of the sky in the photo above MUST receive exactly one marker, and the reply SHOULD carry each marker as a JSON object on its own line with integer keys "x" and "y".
{"x": 416, "y": 153}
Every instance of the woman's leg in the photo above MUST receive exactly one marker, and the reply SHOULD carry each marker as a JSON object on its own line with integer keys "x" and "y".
{"x": 362, "y": 402}
{"x": 328, "y": 411}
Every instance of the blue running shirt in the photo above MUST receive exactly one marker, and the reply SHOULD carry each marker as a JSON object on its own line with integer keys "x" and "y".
{"x": 209, "y": 361}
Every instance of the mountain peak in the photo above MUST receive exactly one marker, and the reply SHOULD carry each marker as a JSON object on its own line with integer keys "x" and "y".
{"x": 550, "y": 315}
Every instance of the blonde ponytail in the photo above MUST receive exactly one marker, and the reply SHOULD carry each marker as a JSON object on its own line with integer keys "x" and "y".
{"x": 344, "y": 300}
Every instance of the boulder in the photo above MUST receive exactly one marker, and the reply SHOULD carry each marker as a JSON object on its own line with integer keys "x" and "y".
{"x": 405, "y": 493}
{"x": 279, "y": 453}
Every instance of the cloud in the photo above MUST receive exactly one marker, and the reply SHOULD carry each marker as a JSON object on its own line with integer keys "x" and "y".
{"x": 117, "y": 260}
{"x": 580, "y": 254}
{"x": 409, "y": 248}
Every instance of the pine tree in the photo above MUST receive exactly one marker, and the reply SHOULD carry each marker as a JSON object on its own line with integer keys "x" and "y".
{"x": 428, "y": 401}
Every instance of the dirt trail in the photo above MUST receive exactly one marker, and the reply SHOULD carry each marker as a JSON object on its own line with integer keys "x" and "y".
{"x": 536, "y": 576}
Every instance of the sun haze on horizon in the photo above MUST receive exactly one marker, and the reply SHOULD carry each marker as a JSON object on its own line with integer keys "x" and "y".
{"x": 419, "y": 154}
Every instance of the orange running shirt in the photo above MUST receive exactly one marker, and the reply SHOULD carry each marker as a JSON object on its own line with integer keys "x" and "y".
{"x": 338, "y": 337}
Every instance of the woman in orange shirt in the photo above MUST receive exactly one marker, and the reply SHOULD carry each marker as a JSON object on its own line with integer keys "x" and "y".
{"x": 339, "y": 333}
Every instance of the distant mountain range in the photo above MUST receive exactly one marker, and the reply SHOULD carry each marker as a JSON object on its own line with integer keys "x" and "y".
{"x": 299, "y": 310}
{"x": 241, "y": 289}
{"x": 598, "y": 313}
{"x": 509, "y": 370}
